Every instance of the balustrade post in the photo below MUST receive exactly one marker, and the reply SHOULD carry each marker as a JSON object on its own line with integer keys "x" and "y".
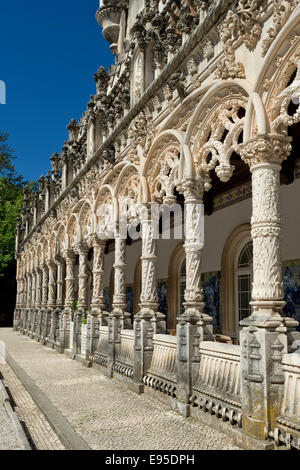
{"x": 264, "y": 337}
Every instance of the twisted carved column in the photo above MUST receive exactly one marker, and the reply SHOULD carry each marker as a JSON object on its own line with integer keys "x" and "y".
{"x": 44, "y": 285}
{"x": 83, "y": 275}
{"x": 98, "y": 316}
{"x": 70, "y": 258}
{"x": 148, "y": 321}
{"x": 149, "y": 298}
{"x": 33, "y": 287}
{"x": 194, "y": 325}
{"x": 51, "y": 316}
{"x": 51, "y": 303}
{"x": 119, "y": 298}
{"x": 98, "y": 301}
{"x": 38, "y": 288}
{"x": 264, "y": 334}
{"x": 59, "y": 283}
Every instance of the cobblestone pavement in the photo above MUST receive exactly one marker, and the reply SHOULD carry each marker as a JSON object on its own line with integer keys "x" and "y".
{"x": 38, "y": 431}
{"x": 8, "y": 438}
{"x": 103, "y": 411}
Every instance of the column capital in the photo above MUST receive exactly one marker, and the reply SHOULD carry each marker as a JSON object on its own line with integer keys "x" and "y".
{"x": 265, "y": 149}
{"x": 95, "y": 241}
{"x": 192, "y": 189}
{"x": 69, "y": 254}
{"x": 51, "y": 263}
{"x": 82, "y": 248}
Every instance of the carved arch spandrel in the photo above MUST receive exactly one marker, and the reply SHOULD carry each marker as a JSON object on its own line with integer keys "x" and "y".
{"x": 274, "y": 77}
{"x": 104, "y": 211}
{"x": 161, "y": 168}
{"x": 215, "y": 131}
{"x": 72, "y": 231}
{"x": 86, "y": 221}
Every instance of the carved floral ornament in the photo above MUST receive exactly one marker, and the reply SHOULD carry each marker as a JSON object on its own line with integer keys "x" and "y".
{"x": 164, "y": 174}
{"x": 219, "y": 138}
{"x": 281, "y": 114}
{"x": 242, "y": 20}
{"x": 265, "y": 149}
{"x": 281, "y": 13}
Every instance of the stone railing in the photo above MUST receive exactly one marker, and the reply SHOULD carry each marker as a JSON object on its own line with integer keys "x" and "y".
{"x": 219, "y": 370}
{"x": 216, "y": 386}
{"x": 162, "y": 372}
{"x": 124, "y": 353}
{"x": 290, "y": 411}
{"x": 100, "y": 357}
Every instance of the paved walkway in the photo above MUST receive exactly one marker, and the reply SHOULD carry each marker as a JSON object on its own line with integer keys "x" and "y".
{"x": 8, "y": 437}
{"x": 102, "y": 411}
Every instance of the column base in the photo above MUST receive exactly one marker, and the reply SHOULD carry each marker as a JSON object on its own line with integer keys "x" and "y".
{"x": 184, "y": 409}
{"x": 136, "y": 388}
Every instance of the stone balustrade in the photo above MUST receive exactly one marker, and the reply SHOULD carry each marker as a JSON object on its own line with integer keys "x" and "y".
{"x": 219, "y": 371}
{"x": 162, "y": 373}
{"x": 100, "y": 357}
{"x": 124, "y": 350}
{"x": 290, "y": 410}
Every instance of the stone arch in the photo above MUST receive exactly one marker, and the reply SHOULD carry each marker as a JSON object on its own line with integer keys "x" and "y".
{"x": 104, "y": 211}
{"x": 228, "y": 262}
{"x": 272, "y": 82}
{"x": 61, "y": 239}
{"x": 128, "y": 183}
{"x": 72, "y": 231}
{"x": 128, "y": 190}
{"x": 86, "y": 221}
{"x": 215, "y": 131}
{"x": 161, "y": 168}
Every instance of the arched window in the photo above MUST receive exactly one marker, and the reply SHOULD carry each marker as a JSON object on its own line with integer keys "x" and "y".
{"x": 244, "y": 278}
{"x": 181, "y": 286}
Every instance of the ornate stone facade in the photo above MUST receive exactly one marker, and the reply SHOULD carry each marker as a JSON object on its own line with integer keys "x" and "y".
{"x": 201, "y": 102}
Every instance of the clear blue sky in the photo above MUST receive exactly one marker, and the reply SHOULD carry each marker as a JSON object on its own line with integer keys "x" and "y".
{"x": 49, "y": 53}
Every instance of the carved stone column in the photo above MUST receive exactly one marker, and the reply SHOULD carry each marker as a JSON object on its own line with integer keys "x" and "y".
{"x": 194, "y": 325}
{"x": 70, "y": 258}
{"x": 264, "y": 337}
{"x": 83, "y": 276}
{"x": 118, "y": 318}
{"x": 38, "y": 299}
{"x": 148, "y": 321}
{"x": 98, "y": 316}
{"x": 82, "y": 296}
{"x": 60, "y": 283}
{"x": 32, "y": 302}
{"x": 45, "y": 279}
{"x": 59, "y": 303}
{"x": 50, "y": 314}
